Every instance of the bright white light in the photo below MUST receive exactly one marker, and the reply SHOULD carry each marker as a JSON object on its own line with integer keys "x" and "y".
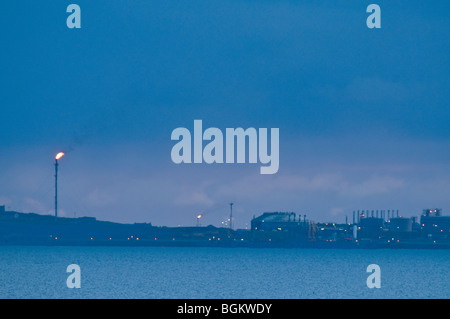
{"x": 59, "y": 155}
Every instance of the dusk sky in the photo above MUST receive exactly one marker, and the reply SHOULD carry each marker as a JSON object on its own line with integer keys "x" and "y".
{"x": 363, "y": 114}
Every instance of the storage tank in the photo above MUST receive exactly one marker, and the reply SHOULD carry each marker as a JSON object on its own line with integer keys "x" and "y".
{"x": 400, "y": 224}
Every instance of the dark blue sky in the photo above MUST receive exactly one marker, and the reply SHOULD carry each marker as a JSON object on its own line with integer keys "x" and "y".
{"x": 363, "y": 114}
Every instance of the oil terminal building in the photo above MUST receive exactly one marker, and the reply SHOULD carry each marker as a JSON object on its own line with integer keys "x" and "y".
{"x": 271, "y": 229}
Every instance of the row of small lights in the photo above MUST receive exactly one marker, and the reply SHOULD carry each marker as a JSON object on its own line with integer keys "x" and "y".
{"x": 137, "y": 238}
{"x": 110, "y": 238}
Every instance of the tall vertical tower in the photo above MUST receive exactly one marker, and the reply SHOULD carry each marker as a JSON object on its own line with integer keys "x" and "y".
{"x": 57, "y": 157}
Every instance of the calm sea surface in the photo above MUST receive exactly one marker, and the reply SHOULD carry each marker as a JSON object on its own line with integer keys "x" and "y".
{"x": 168, "y": 272}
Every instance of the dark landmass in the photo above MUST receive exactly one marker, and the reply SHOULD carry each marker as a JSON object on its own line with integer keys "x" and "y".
{"x": 268, "y": 230}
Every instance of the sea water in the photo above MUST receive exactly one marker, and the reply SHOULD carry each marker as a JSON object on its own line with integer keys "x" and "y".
{"x": 229, "y": 273}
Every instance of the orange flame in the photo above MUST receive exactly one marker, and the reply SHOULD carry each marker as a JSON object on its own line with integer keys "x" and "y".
{"x": 59, "y": 155}
{"x": 199, "y": 216}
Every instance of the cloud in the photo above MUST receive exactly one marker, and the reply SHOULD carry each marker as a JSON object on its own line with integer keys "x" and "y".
{"x": 192, "y": 197}
{"x": 4, "y": 200}
{"x": 339, "y": 184}
{"x": 262, "y": 186}
{"x": 32, "y": 205}
{"x": 100, "y": 198}
{"x": 335, "y": 211}
{"x": 373, "y": 186}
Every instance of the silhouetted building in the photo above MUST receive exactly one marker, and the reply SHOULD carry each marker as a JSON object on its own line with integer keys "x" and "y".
{"x": 436, "y": 212}
{"x": 370, "y": 227}
{"x": 279, "y": 227}
{"x": 334, "y": 232}
{"x": 434, "y": 224}
{"x": 275, "y": 222}
{"x": 400, "y": 224}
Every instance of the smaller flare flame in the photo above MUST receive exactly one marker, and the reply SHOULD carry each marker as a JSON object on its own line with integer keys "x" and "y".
{"x": 59, "y": 155}
{"x": 199, "y": 216}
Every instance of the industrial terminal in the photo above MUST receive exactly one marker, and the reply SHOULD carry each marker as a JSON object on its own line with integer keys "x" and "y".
{"x": 368, "y": 229}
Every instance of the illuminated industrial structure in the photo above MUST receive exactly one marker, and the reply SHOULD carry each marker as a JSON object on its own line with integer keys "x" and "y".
{"x": 57, "y": 157}
{"x": 275, "y": 229}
